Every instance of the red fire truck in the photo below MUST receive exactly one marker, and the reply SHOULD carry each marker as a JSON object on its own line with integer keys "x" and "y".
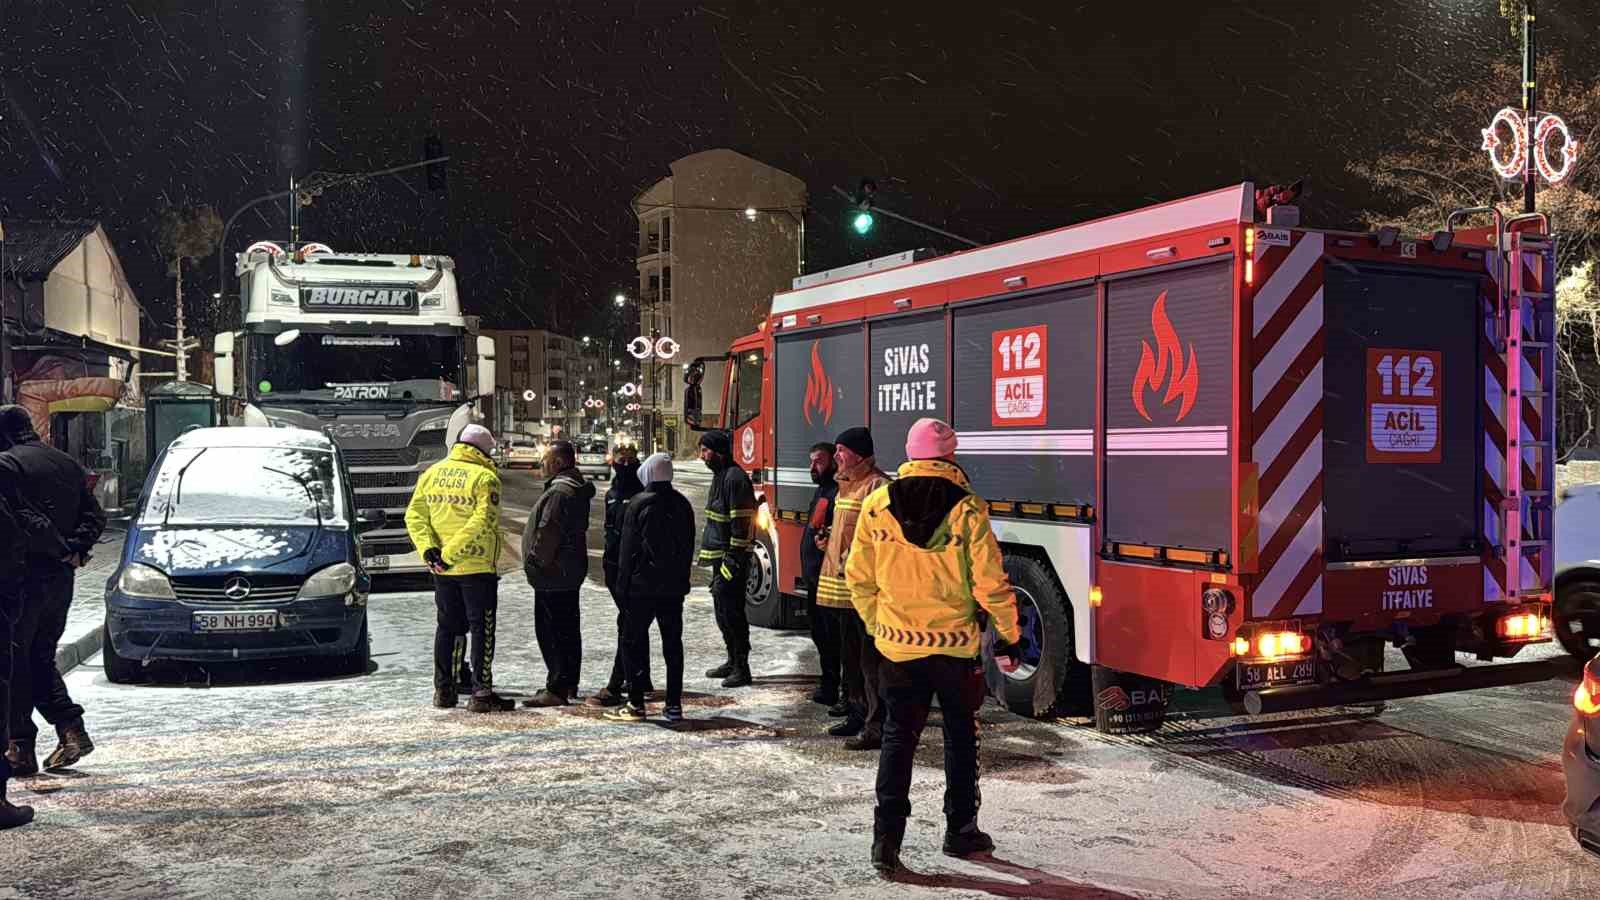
{"x": 1218, "y": 448}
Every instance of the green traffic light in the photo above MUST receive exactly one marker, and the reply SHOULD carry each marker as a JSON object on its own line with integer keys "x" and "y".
{"x": 863, "y": 222}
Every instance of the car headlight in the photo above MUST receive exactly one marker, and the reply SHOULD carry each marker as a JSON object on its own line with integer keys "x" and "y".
{"x": 140, "y": 580}
{"x": 334, "y": 581}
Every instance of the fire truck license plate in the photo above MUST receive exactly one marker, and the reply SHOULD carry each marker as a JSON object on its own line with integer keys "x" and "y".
{"x": 236, "y": 620}
{"x": 1260, "y": 675}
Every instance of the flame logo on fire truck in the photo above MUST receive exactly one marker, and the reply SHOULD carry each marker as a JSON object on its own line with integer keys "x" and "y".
{"x": 819, "y": 389}
{"x": 1154, "y": 365}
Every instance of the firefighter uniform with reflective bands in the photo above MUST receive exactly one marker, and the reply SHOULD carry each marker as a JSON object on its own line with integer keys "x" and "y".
{"x": 923, "y": 562}
{"x": 725, "y": 548}
{"x": 860, "y": 660}
{"x": 455, "y": 510}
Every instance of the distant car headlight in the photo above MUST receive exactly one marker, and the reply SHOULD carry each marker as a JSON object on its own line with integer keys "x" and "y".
{"x": 334, "y": 581}
{"x": 140, "y": 580}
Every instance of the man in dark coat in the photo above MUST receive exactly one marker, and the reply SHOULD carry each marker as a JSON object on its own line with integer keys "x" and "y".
{"x": 555, "y": 557}
{"x": 49, "y": 494}
{"x": 827, "y": 629}
{"x": 624, "y": 485}
{"x": 10, "y": 613}
{"x": 653, "y": 579}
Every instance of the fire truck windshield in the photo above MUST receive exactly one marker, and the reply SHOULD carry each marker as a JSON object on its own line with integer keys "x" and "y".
{"x": 316, "y": 367}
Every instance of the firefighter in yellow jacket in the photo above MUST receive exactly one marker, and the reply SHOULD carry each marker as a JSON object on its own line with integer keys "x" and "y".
{"x": 454, "y": 521}
{"x": 923, "y": 565}
{"x": 858, "y": 476}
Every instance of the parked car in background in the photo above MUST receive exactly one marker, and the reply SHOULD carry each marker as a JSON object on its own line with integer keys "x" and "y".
{"x": 594, "y": 457}
{"x": 1575, "y": 617}
{"x": 520, "y": 451}
{"x": 242, "y": 547}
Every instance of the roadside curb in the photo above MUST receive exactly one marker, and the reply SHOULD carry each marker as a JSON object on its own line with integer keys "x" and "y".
{"x": 73, "y": 653}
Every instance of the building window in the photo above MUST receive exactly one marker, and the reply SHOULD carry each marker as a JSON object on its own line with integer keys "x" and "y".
{"x": 666, "y": 234}
{"x": 666, "y": 284}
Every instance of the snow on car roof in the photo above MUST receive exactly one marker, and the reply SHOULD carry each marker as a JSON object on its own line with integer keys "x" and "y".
{"x": 254, "y": 437}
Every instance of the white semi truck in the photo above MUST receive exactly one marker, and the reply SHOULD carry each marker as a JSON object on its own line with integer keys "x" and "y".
{"x": 370, "y": 349}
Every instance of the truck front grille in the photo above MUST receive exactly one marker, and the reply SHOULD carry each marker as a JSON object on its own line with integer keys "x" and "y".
{"x": 382, "y": 499}
{"x": 384, "y": 479}
{"x": 395, "y": 456}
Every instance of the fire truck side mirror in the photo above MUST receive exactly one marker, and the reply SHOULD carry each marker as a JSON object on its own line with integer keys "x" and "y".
{"x": 691, "y": 407}
{"x": 222, "y": 349}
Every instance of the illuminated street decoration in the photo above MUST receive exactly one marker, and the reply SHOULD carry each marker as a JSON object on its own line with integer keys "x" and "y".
{"x": 1510, "y": 158}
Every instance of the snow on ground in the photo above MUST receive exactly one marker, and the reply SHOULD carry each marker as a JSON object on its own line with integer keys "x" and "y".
{"x": 226, "y": 783}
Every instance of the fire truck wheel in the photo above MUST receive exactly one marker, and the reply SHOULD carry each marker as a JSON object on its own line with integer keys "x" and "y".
{"x": 763, "y": 606}
{"x": 1435, "y": 648}
{"x": 1576, "y": 617}
{"x": 1046, "y": 643}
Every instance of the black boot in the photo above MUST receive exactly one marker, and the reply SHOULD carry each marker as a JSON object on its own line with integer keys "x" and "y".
{"x": 24, "y": 762}
{"x": 445, "y": 698}
{"x": 825, "y": 694}
{"x": 966, "y": 840}
{"x": 886, "y": 839}
{"x": 12, "y": 816}
{"x": 841, "y": 709}
{"x": 739, "y": 675}
{"x": 850, "y": 727}
{"x": 74, "y": 744}
{"x": 490, "y": 702}
{"x": 722, "y": 671}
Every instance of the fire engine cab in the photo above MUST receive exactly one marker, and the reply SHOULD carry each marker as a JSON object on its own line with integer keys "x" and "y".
{"x": 1218, "y": 448}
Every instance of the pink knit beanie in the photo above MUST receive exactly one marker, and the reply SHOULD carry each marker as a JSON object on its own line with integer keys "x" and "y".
{"x": 930, "y": 439}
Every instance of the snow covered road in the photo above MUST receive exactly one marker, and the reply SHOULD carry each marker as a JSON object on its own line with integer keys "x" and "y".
{"x": 234, "y": 784}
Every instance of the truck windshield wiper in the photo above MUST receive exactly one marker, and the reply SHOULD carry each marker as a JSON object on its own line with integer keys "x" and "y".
{"x": 177, "y": 487}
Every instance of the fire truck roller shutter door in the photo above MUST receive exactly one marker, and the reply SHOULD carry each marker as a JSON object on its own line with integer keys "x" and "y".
{"x": 908, "y": 372}
{"x": 820, "y": 390}
{"x": 1169, "y": 385}
{"x": 1404, "y": 382}
{"x": 1023, "y": 397}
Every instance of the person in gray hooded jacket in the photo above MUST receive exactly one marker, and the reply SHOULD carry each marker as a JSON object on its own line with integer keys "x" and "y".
{"x": 555, "y": 557}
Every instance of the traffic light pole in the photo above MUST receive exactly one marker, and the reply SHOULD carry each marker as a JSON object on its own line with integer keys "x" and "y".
{"x": 908, "y": 220}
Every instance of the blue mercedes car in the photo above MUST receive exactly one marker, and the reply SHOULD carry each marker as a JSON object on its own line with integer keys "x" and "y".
{"x": 243, "y": 547}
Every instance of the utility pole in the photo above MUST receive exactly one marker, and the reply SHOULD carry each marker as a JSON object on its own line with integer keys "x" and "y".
{"x": 1530, "y": 106}
{"x": 183, "y": 344}
{"x": 5, "y": 340}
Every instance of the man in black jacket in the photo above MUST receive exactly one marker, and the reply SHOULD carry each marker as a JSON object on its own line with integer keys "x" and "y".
{"x": 624, "y": 485}
{"x": 49, "y": 493}
{"x": 555, "y": 557}
{"x": 725, "y": 547}
{"x": 653, "y": 578}
{"x": 827, "y": 625}
{"x": 10, "y": 612}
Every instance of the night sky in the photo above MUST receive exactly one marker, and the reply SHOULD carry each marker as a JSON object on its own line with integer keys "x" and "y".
{"x": 992, "y": 120}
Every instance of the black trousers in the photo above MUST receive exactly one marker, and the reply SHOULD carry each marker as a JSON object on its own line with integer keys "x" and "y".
{"x": 556, "y": 626}
{"x": 827, "y": 632}
{"x": 727, "y": 597}
{"x": 908, "y": 690}
{"x": 466, "y": 604}
{"x": 667, "y": 613}
{"x": 35, "y": 681}
{"x": 619, "y": 667}
{"x": 862, "y": 668}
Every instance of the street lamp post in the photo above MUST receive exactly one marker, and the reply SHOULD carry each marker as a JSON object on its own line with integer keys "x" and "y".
{"x": 1530, "y": 106}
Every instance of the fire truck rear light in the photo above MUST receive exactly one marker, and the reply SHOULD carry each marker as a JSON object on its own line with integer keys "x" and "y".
{"x": 1241, "y": 646}
{"x": 1096, "y": 596}
{"x": 1275, "y": 644}
{"x": 1524, "y": 626}
{"x": 1249, "y": 270}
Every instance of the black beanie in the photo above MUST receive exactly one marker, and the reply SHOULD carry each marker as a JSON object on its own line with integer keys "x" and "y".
{"x": 858, "y": 439}
{"x": 718, "y": 441}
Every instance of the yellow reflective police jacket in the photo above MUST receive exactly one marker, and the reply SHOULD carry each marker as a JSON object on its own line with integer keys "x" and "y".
{"x": 456, "y": 508}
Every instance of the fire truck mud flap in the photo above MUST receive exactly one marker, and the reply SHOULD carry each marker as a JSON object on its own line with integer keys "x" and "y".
{"x": 1398, "y": 685}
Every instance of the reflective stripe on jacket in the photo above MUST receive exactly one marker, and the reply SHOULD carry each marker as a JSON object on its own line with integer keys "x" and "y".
{"x": 923, "y": 561}
{"x": 456, "y": 509}
{"x": 730, "y": 517}
{"x": 854, "y": 487}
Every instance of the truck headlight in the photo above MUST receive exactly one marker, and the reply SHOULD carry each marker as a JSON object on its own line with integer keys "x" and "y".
{"x": 438, "y": 423}
{"x": 140, "y": 580}
{"x": 334, "y": 581}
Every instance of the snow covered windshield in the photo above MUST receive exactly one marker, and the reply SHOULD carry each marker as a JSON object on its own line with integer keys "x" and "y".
{"x": 356, "y": 367}
{"x": 246, "y": 486}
